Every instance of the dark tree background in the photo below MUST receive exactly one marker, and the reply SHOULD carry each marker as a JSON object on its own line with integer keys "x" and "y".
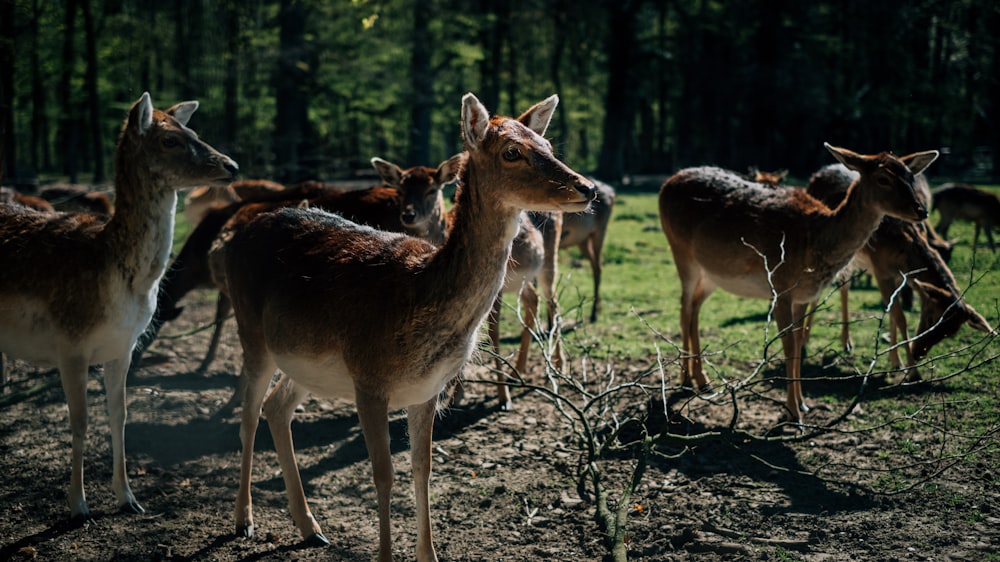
{"x": 297, "y": 89}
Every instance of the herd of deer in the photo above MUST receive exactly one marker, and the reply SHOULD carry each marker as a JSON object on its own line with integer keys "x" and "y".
{"x": 377, "y": 295}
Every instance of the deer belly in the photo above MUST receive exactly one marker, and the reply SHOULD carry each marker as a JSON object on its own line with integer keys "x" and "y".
{"x": 751, "y": 286}
{"x": 325, "y": 375}
{"x": 26, "y": 332}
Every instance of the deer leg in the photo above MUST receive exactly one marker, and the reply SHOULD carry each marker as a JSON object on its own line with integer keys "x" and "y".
{"x": 988, "y": 230}
{"x": 73, "y": 373}
{"x": 503, "y": 393}
{"x": 789, "y": 317}
{"x": 258, "y": 368}
{"x": 691, "y": 301}
{"x": 3, "y": 373}
{"x": 222, "y": 307}
{"x": 587, "y": 248}
{"x": 374, "y": 416}
{"x": 898, "y": 321}
{"x": 551, "y": 235}
{"x": 529, "y": 319}
{"x": 115, "y": 373}
{"x": 279, "y": 408}
{"x": 421, "y": 427}
{"x": 845, "y": 319}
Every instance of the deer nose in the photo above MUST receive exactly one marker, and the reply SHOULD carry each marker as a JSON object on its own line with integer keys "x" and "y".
{"x": 586, "y": 188}
{"x": 921, "y": 212}
{"x": 231, "y": 166}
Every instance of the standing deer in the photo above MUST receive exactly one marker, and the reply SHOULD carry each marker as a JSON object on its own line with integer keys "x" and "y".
{"x": 587, "y": 231}
{"x": 386, "y": 208}
{"x": 204, "y": 198}
{"x": 965, "y": 202}
{"x": 527, "y": 257}
{"x": 385, "y": 320}
{"x": 777, "y": 243}
{"x": 896, "y": 253}
{"x": 78, "y": 289}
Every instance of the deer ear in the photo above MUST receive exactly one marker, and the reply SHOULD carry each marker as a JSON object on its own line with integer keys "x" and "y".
{"x": 390, "y": 173}
{"x": 141, "y": 115}
{"x": 474, "y": 121}
{"x": 919, "y": 161}
{"x": 977, "y": 321}
{"x": 183, "y": 111}
{"x": 851, "y": 159}
{"x": 538, "y": 116}
{"x": 449, "y": 169}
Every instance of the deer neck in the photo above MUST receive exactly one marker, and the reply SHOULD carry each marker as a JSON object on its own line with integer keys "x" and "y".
{"x": 850, "y": 225}
{"x": 140, "y": 233}
{"x": 473, "y": 260}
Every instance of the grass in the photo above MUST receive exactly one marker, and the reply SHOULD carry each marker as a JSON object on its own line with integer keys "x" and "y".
{"x": 641, "y": 307}
{"x": 639, "y": 322}
{"x": 957, "y": 415}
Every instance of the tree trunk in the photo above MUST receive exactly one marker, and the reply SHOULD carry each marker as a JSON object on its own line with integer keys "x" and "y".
{"x": 231, "y": 80}
{"x": 422, "y": 85}
{"x": 7, "y": 152}
{"x": 619, "y": 100}
{"x": 93, "y": 101}
{"x": 491, "y": 38}
{"x": 41, "y": 156}
{"x": 292, "y": 103}
{"x": 69, "y": 125}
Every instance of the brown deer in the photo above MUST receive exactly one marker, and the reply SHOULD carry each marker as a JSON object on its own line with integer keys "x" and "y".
{"x": 383, "y": 319}
{"x": 767, "y": 178}
{"x": 203, "y": 198}
{"x": 959, "y": 201}
{"x": 13, "y": 197}
{"x": 385, "y": 208}
{"x": 422, "y": 212}
{"x": 898, "y": 254}
{"x": 527, "y": 257}
{"x": 587, "y": 231}
{"x": 48, "y": 261}
{"x": 77, "y": 199}
{"x": 777, "y": 243}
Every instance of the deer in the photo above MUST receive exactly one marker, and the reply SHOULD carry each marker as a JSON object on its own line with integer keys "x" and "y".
{"x": 48, "y": 260}
{"x": 203, "y": 198}
{"x": 587, "y": 231}
{"x": 960, "y": 201}
{"x": 754, "y": 174}
{"x": 901, "y": 254}
{"x": 776, "y": 243}
{"x": 77, "y": 199}
{"x": 13, "y": 197}
{"x": 396, "y": 206}
{"x": 382, "y": 319}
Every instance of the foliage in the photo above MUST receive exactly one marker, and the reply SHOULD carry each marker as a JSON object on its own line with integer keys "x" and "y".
{"x": 731, "y": 83}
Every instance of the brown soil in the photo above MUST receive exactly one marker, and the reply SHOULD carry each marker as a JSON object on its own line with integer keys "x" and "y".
{"x": 503, "y": 486}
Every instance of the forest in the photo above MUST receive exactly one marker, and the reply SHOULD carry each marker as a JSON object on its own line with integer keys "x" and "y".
{"x": 309, "y": 89}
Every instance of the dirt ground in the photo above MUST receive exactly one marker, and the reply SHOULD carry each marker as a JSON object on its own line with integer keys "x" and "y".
{"x": 503, "y": 486}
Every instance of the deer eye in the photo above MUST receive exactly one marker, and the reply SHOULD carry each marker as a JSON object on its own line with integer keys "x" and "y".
{"x": 170, "y": 142}
{"x": 883, "y": 181}
{"x": 511, "y": 154}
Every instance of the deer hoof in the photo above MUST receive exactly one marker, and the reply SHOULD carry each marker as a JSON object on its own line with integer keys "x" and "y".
{"x": 79, "y": 519}
{"x": 316, "y": 540}
{"x": 131, "y": 507}
{"x": 506, "y": 405}
{"x": 245, "y": 531}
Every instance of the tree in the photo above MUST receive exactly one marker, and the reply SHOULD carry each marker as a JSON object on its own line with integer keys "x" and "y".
{"x": 619, "y": 101}
{"x": 421, "y": 83}
{"x": 7, "y": 152}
